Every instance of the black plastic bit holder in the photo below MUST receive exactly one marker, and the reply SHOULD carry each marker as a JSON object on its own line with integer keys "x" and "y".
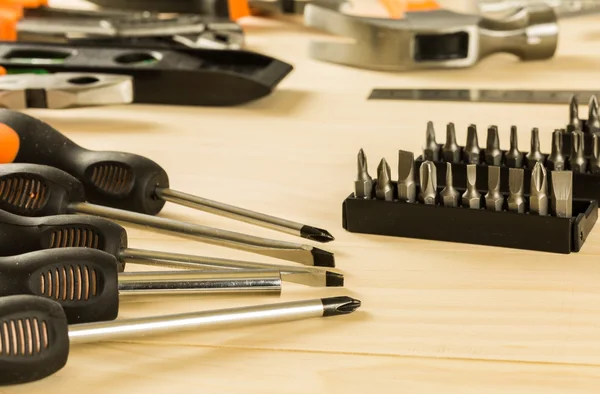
{"x": 473, "y": 226}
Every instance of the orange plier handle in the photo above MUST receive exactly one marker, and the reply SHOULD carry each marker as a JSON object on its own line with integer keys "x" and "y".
{"x": 11, "y": 11}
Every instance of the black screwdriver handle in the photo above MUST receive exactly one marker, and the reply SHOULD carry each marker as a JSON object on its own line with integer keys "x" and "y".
{"x": 83, "y": 281}
{"x": 34, "y": 339}
{"x": 115, "y": 179}
{"x": 20, "y": 234}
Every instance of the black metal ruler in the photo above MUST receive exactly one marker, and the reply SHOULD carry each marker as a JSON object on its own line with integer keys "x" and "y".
{"x": 484, "y": 95}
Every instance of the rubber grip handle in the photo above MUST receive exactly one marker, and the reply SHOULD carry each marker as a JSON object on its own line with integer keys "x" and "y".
{"x": 114, "y": 179}
{"x": 83, "y": 281}
{"x": 21, "y": 234}
{"x": 34, "y": 340}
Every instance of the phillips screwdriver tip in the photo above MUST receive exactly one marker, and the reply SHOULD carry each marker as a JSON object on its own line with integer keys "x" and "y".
{"x": 322, "y": 258}
{"x": 363, "y": 184}
{"x": 333, "y": 279}
{"x": 538, "y": 200}
{"x": 574, "y": 113}
{"x": 316, "y": 234}
{"x": 333, "y": 306}
{"x": 428, "y": 183}
{"x": 595, "y": 159}
{"x": 593, "y": 122}
{"x": 577, "y": 161}
{"x": 384, "y": 189}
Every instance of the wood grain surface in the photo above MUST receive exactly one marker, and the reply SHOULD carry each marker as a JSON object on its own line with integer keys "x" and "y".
{"x": 436, "y": 317}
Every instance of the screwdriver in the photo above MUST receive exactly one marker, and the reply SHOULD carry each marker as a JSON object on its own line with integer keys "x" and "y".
{"x": 38, "y": 190}
{"x": 36, "y": 336}
{"x": 121, "y": 180}
{"x": 24, "y": 234}
{"x": 87, "y": 285}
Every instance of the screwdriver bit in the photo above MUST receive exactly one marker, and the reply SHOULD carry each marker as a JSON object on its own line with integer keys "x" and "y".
{"x": 384, "y": 189}
{"x": 407, "y": 188}
{"x": 471, "y": 198}
{"x": 577, "y": 162}
{"x": 556, "y": 160}
{"x": 493, "y": 154}
{"x": 494, "y": 200}
{"x": 472, "y": 152}
{"x": 574, "y": 122}
{"x": 593, "y": 122}
{"x": 363, "y": 184}
{"x": 428, "y": 180}
{"x": 450, "y": 196}
{"x": 513, "y": 157}
{"x": 595, "y": 159}
{"x": 538, "y": 195}
{"x": 534, "y": 154}
{"x": 451, "y": 150}
{"x": 431, "y": 151}
{"x": 562, "y": 194}
{"x": 516, "y": 180}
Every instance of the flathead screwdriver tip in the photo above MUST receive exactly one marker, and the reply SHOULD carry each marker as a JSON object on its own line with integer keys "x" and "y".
{"x": 516, "y": 181}
{"x": 471, "y": 198}
{"x": 562, "y": 194}
{"x": 494, "y": 200}
{"x": 472, "y": 152}
{"x": 322, "y": 258}
{"x": 333, "y": 306}
{"x": 534, "y": 154}
{"x": 316, "y": 234}
{"x": 333, "y": 279}
{"x": 384, "y": 190}
{"x": 431, "y": 151}
{"x": 493, "y": 154}
{"x": 407, "y": 188}
{"x": 363, "y": 184}
{"x": 574, "y": 121}
{"x": 514, "y": 158}
{"x": 449, "y": 195}
{"x": 428, "y": 183}
{"x": 451, "y": 150}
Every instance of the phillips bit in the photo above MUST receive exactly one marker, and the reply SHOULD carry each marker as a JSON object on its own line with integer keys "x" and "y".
{"x": 562, "y": 194}
{"x": 472, "y": 152}
{"x": 534, "y": 154}
{"x": 494, "y": 200}
{"x": 556, "y": 160}
{"x": 577, "y": 162}
{"x": 384, "y": 189}
{"x": 516, "y": 180}
{"x": 450, "y": 196}
{"x": 574, "y": 122}
{"x": 407, "y": 188}
{"x": 471, "y": 198}
{"x": 363, "y": 184}
{"x": 428, "y": 180}
{"x": 513, "y": 157}
{"x": 595, "y": 159}
{"x": 451, "y": 150}
{"x": 431, "y": 151}
{"x": 493, "y": 154}
{"x": 538, "y": 195}
{"x": 593, "y": 122}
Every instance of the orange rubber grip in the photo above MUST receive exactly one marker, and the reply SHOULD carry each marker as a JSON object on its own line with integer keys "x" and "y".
{"x": 398, "y": 8}
{"x": 238, "y": 9}
{"x": 9, "y": 144}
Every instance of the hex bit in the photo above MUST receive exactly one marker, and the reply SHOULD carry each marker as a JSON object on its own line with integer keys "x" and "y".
{"x": 538, "y": 195}
{"x": 494, "y": 200}
{"x": 577, "y": 161}
{"x": 556, "y": 160}
{"x": 407, "y": 188}
{"x": 472, "y": 152}
{"x": 431, "y": 151}
{"x": 450, "y": 196}
{"x": 384, "y": 189}
{"x": 516, "y": 181}
{"x": 513, "y": 157}
{"x": 562, "y": 194}
{"x": 534, "y": 154}
{"x": 493, "y": 154}
{"x": 595, "y": 159}
{"x": 451, "y": 150}
{"x": 428, "y": 181}
{"x": 574, "y": 121}
{"x": 363, "y": 184}
{"x": 593, "y": 122}
{"x": 471, "y": 198}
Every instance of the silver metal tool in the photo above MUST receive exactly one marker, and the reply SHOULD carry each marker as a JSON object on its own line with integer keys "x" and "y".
{"x": 430, "y": 39}
{"x": 574, "y": 121}
{"x": 471, "y": 198}
{"x": 595, "y": 159}
{"x": 64, "y": 90}
{"x": 384, "y": 190}
{"x": 407, "y": 188}
{"x": 138, "y": 328}
{"x": 577, "y": 161}
{"x": 493, "y": 154}
{"x": 363, "y": 184}
{"x": 563, "y": 8}
{"x": 556, "y": 160}
{"x": 593, "y": 122}
{"x": 451, "y": 150}
{"x": 431, "y": 151}
{"x": 534, "y": 155}
{"x": 538, "y": 195}
{"x": 449, "y": 195}
{"x": 562, "y": 194}
{"x": 494, "y": 200}
{"x": 516, "y": 182}
{"x": 302, "y": 275}
{"x": 513, "y": 157}
{"x": 428, "y": 183}
{"x": 472, "y": 152}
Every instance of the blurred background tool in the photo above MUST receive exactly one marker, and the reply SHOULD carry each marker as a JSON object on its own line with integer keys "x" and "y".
{"x": 563, "y": 8}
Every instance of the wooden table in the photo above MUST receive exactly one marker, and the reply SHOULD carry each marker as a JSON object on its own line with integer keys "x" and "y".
{"x": 436, "y": 318}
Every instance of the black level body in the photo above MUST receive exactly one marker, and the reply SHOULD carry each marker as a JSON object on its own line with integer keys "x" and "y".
{"x": 186, "y": 76}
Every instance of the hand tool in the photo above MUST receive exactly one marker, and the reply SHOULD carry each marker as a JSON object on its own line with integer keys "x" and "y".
{"x": 538, "y": 195}
{"x": 595, "y": 159}
{"x": 37, "y": 190}
{"x": 562, "y": 193}
{"x": 516, "y": 180}
{"x": 493, "y": 154}
{"x": 574, "y": 121}
{"x": 64, "y": 90}
{"x": 430, "y": 39}
{"x": 494, "y": 200}
{"x": 451, "y": 150}
{"x": 593, "y": 121}
{"x": 471, "y": 198}
{"x": 363, "y": 184}
{"x": 37, "y": 334}
{"x": 534, "y": 154}
{"x": 556, "y": 159}
{"x": 563, "y": 8}
{"x": 86, "y": 282}
{"x": 577, "y": 163}
{"x": 428, "y": 182}
{"x": 431, "y": 151}
{"x": 182, "y": 76}
{"x": 124, "y": 180}
{"x": 472, "y": 152}
{"x": 449, "y": 195}
{"x": 407, "y": 188}
{"x": 24, "y": 234}
{"x": 384, "y": 190}
{"x": 513, "y": 157}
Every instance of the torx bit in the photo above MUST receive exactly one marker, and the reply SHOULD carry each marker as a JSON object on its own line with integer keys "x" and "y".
{"x": 451, "y": 150}
{"x": 494, "y": 200}
{"x": 534, "y": 154}
{"x": 450, "y": 196}
{"x": 516, "y": 181}
{"x": 595, "y": 159}
{"x": 574, "y": 122}
{"x": 577, "y": 162}
{"x": 538, "y": 195}
{"x": 431, "y": 151}
{"x": 562, "y": 194}
{"x": 384, "y": 190}
{"x": 363, "y": 184}
{"x": 593, "y": 122}
{"x": 428, "y": 180}
{"x": 513, "y": 157}
{"x": 407, "y": 188}
{"x": 493, "y": 154}
{"x": 556, "y": 160}
{"x": 471, "y": 198}
{"x": 472, "y": 152}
